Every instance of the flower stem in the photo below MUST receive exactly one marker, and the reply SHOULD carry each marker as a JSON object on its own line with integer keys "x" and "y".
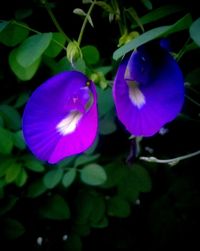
{"x": 85, "y": 22}
{"x": 182, "y": 50}
{"x": 54, "y": 20}
{"x": 170, "y": 161}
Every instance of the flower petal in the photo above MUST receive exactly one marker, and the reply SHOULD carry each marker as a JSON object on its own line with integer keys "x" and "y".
{"x": 60, "y": 119}
{"x": 148, "y": 90}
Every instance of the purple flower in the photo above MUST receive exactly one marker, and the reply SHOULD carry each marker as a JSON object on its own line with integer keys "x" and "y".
{"x": 60, "y": 119}
{"x": 148, "y": 90}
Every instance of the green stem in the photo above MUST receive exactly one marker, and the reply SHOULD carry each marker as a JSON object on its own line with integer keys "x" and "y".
{"x": 192, "y": 100}
{"x": 182, "y": 50}
{"x": 54, "y": 20}
{"x": 170, "y": 161}
{"x": 85, "y": 22}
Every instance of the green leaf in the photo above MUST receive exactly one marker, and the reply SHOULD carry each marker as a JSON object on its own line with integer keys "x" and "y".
{"x": 107, "y": 124}
{"x": 90, "y": 54}
{"x": 118, "y": 207}
{"x": 4, "y": 165}
{"x": 52, "y": 178}
{"x": 55, "y": 208}
{"x": 36, "y": 188}
{"x": 142, "y": 177}
{"x": 159, "y": 13}
{"x": 12, "y": 172}
{"x": 13, "y": 34}
{"x": 13, "y": 229}
{"x": 6, "y": 141}
{"x": 56, "y": 45}
{"x": 21, "y": 100}
{"x": 93, "y": 147}
{"x": 147, "y": 4}
{"x": 98, "y": 210}
{"x": 194, "y": 31}
{"x": 11, "y": 117}
{"x": 150, "y": 35}
{"x": 105, "y": 101}
{"x": 7, "y": 205}
{"x": 84, "y": 159}
{"x": 23, "y": 73}
{"x": 193, "y": 77}
{"x": 23, "y": 13}
{"x": 3, "y": 24}
{"x": 69, "y": 177}
{"x": 32, "y": 49}
{"x": 34, "y": 164}
{"x": 73, "y": 243}
{"x": 18, "y": 140}
{"x": 93, "y": 174}
{"x": 21, "y": 178}
{"x": 80, "y": 65}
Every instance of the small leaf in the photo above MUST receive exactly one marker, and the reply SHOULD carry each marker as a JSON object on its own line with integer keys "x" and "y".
{"x": 11, "y": 117}
{"x": 105, "y": 7}
{"x": 6, "y": 141}
{"x": 52, "y": 178}
{"x": 90, "y": 54}
{"x": 7, "y": 205}
{"x": 23, "y": 73}
{"x": 93, "y": 174}
{"x": 34, "y": 164}
{"x": 194, "y": 31}
{"x": 12, "y": 172}
{"x": 56, "y": 45}
{"x": 55, "y": 208}
{"x": 32, "y": 49}
{"x": 105, "y": 101}
{"x": 21, "y": 100}
{"x": 143, "y": 178}
{"x": 36, "y": 188}
{"x": 23, "y": 13}
{"x": 84, "y": 159}
{"x": 79, "y": 12}
{"x": 13, "y": 34}
{"x": 12, "y": 228}
{"x": 4, "y": 165}
{"x": 118, "y": 207}
{"x": 147, "y": 4}
{"x": 69, "y": 177}
{"x": 21, "y": 178}
{"x": 90, "y": 20}
{"x": 18, "y": 140}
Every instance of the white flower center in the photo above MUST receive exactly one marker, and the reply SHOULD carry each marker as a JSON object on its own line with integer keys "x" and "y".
{"x": 135, "y": 95}
{"x": 69, "y": 123}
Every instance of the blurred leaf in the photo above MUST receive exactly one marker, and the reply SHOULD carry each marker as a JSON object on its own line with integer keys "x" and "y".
{"x": 181, "y": 24}
{"x": 13, "y": 34}
{"x": 56, "y": 45}
{"x": 102, "y": 223}
{"x": 21, "y": 100}
{"x": 7, "y": 204}
{"x": 6, "y": 141}
{"x": 159, "y": 13}
{"x": 36, "y": 188}
{"x": 193, "y": 77}
{"x": 90, "y": 54}
{"x": 32, "y": 49}
{"x": 81, "y": 229}
{"x": 93, "y": 174}
{"x": 143, "y": 178}
{"x": 18, "y": 140}
{"x": 98, "y": 210}
{"x": 66, "y": 162}
{"x": 52, "y": 178}
{"x": 118, "y": 207}
{"x": 80, "y": 65}
{"x": 105, "y": 6}
{"x": 69, "y": 177}
{"x": 147, "y": 4}
{"x": 23, "y": 13}
{"x": 11, "y": 117}
{"x": 62, "y": 65}
{"x": 132, "y": 12}
{"x": 73, "y": 243}
{"x": 107, "y": 124}
{"x": 4, "y": 165}
{"x": 55, "y": 208}
{"x": 194, "y": 31}
{"x": 3, "y": 24}
{"x": 84, "y": 159}
{"x": 21, "y": 178}
{"x": 13, "y": 228}
{"x": 33, "y": 164}
{"x": 12, "y": 172}
{"x": 105, "y": 101}
{"x": 23, "y": 73}
{"x": 115, "y": 171}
